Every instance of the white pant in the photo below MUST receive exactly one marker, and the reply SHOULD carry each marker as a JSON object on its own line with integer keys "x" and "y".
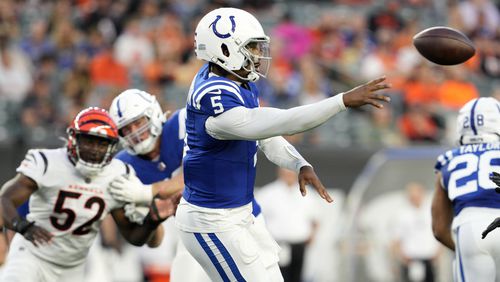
{"x": 245, "y": 253}
{"x": 185, "y": 267}
{"x": 22, "y": 266}
{"x": 476, "y": 259}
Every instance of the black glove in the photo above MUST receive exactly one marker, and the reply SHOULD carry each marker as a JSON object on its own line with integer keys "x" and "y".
{"x": 491, "y": 227}
{"x": 495, "y": 177}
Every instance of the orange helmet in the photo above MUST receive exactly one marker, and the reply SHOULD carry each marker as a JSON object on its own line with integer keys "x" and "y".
{"x": 92, "y": 140}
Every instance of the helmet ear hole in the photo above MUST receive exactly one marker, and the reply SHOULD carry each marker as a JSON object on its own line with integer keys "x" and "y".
{"x": 225, "y": 50}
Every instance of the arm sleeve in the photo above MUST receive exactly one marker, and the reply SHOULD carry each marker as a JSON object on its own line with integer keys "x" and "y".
{"x": 242, "y": 123}
{"x": 34, "y": 165}
{"x": 282, "y": 153}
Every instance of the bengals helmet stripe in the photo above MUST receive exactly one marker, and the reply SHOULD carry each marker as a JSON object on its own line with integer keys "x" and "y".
{"x": 97, "y": 122}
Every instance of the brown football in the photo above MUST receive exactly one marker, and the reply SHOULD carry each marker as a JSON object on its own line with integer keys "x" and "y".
{"x": 444, "y": 45}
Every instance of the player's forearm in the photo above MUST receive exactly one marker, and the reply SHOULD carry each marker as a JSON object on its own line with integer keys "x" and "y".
{"x": 259, "y": 123}
{"x": 134, "y": 233}
{"x": 167, "y": 188}
{"x": 139, "y": 235}
{"x": 444, "y": 236}
{"x": 157, "y": 238}
{"x": 282, "y": 153}
{"x": 441, "y": 225}
{"x": 8, "y": 211}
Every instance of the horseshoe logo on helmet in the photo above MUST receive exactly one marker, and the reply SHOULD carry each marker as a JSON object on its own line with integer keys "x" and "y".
{"x": 220, "y": 35}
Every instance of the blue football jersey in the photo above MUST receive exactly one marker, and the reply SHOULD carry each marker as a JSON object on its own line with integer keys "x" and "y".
{"x": 217, "y": 173}
{"x": 171, "y": 149}
{"x": 465, "y": 172}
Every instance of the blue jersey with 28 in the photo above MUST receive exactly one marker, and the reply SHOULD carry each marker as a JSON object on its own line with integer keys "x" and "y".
{"x": 465, "y": 174}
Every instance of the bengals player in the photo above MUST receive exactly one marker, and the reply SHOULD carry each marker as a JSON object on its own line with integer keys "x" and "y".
{"x": 68, "y": 196}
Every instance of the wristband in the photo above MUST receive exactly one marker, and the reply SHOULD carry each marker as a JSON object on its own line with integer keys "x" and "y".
{"x": 21, "y": 225}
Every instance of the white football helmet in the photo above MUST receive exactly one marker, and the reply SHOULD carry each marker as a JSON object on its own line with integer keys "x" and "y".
{"x": 241, "y": 35}
{"x": 131, "y": 105}
{"x": 478, "y": 121}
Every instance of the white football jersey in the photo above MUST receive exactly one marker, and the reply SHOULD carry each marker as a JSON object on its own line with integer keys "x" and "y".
{"x": 67, "y": 204}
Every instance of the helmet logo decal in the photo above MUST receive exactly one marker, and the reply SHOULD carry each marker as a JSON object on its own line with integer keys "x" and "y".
{"x": 214, "y": 29}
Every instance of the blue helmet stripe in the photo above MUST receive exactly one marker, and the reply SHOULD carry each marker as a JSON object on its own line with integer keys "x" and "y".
{"x": 118, "y": 106}
{"x": 472, "y": 122}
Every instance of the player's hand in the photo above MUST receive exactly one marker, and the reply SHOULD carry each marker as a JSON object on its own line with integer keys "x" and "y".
{"x": 161, "y": 209}
{"x": 307, "y": 176}
{"x": 495, "y": 177}
{"x": 367, "y": 93}
{"x": 37, "y": 235}
{"x": 129, "y": 188}
{"x": 136, "y": 213}
{"x": 495, "y": 224}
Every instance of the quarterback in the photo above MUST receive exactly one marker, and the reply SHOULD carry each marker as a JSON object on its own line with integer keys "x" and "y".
{"x": 464, "y": 200}
{"x": 68, "y": 196}
{"x": 225, "y": 126}
{"x": 154, "y": 148}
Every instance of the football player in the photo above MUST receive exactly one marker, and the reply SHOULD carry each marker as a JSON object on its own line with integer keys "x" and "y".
{"x": 154, "y": 148}
{"x": 223, "y": 124}
{"x": 68, "y": 196}
{"x": 464, "y": 200}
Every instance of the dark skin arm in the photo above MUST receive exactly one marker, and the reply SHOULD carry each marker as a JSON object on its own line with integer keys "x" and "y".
{"x": 151, "y": 231}
{"x": 442, "y": 215}
{"x": 14, "y": 193}
{"x": 307, "y": 176}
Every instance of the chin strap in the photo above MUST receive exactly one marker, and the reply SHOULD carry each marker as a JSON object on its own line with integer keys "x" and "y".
{"x": 475, "y": 139}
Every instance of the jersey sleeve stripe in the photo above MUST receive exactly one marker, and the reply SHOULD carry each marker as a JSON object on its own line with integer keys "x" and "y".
{"x": 45, "y": 162}
{"x": 210, "y": 85}
{"x": 127, "y": 169}
{"x": 31, "y": 157}
{"x": 210, "y": 89}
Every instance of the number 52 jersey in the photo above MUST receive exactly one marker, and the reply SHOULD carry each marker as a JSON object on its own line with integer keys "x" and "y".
{"x": 68, "y": 205}
{"x": 465, "y": 176}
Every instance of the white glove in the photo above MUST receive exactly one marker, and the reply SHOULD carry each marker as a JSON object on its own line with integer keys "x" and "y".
{"x": 130, "y": 189}
{"x": 136, "y": 213}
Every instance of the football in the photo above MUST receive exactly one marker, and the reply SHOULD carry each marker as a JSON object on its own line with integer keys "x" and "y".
{"x": 444, "y": 45}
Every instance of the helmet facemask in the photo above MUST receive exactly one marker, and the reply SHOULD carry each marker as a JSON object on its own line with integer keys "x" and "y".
{"x": 135, "y": 139}
{"x": 92, "y": 139}
{"x": 137, "y": 112}
{"x": 90, "y": 153}
{"x": 257, "y": 58}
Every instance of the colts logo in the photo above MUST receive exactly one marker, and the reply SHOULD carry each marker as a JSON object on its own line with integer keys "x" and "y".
{"x": 220, "y": 35}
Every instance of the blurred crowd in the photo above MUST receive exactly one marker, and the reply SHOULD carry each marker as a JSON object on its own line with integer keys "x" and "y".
{"x": 57, "y": 57}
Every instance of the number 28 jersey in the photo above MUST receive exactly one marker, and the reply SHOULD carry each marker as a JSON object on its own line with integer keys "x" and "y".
{"x": 66, "y": 205}
{"x": 465, "y": 174}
